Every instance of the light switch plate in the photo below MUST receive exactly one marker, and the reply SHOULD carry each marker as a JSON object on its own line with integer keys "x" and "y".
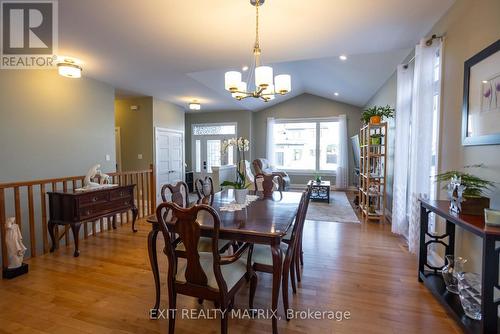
{"x": 139, "y": 156}
{"x": 108, "y": 157}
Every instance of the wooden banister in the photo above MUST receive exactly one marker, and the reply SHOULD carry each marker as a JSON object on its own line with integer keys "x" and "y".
{"x": 27, "y": 201}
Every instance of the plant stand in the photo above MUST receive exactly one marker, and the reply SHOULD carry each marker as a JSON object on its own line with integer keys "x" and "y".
{"x": 373, "y": 171}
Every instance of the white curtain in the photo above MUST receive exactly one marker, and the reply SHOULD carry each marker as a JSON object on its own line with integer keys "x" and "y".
{"x": 422, "y": 125}
{"x": 342, "y": 176}
{"x": 270, "y": 140}
{"x": 401, "y": 152}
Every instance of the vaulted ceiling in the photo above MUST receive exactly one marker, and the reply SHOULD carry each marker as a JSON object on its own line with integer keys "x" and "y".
{"x": 179, "y": 50}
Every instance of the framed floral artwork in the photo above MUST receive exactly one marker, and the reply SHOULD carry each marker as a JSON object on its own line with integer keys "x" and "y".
{"x": 481, "y": 103}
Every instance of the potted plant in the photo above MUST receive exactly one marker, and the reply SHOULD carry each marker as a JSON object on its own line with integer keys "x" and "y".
{"x": 376, "y": 138}
{"x": 240, "y": 186}
{"x": 317, "y": 178}
{"x": 374, "y": 114}
{"x": 474, "y": 197}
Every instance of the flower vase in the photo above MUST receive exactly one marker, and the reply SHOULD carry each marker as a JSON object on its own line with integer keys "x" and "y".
{"x": 453, "y": 267}
{"x": 240, "y": 195}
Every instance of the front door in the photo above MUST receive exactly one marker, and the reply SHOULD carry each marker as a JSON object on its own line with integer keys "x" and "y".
{"x": 207, "y": 147}
{"x": 169, "y": 158}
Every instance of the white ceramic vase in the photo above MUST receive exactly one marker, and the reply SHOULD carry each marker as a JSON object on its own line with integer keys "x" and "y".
{"x": 240, "y": 195}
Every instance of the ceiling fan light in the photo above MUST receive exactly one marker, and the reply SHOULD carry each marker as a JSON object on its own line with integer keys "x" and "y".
{"x": 263, "y": 76}
{"x": 283, "y": 83}
{"x": 232, "y": 80}
{"x": 240, "y": 94}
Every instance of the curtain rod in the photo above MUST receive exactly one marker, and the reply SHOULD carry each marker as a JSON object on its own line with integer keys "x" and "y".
{"x": 428, "y": 43}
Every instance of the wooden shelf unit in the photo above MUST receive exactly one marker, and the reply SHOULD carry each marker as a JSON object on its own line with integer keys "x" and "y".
{"x": 373, "y": 171}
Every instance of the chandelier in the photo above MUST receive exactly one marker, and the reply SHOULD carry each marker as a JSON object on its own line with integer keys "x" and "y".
{"x": 265, "y": 87}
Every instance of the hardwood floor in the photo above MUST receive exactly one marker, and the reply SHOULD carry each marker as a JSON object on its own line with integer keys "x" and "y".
{"x": 360, "y": 268}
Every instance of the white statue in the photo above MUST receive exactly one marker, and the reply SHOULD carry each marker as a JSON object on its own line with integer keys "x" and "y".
{"x": 95, "y": 171}
{"x": 92, "y": 173}
{"x": 14, "y": 242}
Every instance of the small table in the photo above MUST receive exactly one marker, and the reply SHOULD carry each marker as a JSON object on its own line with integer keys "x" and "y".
{"x": 320, "y": 191}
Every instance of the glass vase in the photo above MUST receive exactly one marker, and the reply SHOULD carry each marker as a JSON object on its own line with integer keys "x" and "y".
{"x": 469, "y": 290}
{"x": 454, "y": 266}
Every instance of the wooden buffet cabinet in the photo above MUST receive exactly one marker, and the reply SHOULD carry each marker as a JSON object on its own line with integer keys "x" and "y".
{"x": 74, "y": 208}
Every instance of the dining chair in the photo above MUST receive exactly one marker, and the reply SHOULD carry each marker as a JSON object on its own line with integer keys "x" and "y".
{"x": 205, "y": 275}
{"x": 179, "y": 194}
{"x": 205, "y": 190}
{"x": 262, "y": 257}
{"x": 268, "y": 183}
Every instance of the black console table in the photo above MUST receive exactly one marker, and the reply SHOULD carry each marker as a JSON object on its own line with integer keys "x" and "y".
{"x": 320, "y": 191}
{"x": 431, "y": 276}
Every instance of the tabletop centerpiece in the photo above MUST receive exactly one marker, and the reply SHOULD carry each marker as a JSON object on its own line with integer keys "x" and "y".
{"x": 240, "y": 185}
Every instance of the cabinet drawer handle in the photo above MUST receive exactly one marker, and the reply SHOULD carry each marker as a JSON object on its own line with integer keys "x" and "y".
{"x": 88, "y": 212}
{"x": 121, "y": 193}
{"x": 94, "y": 199}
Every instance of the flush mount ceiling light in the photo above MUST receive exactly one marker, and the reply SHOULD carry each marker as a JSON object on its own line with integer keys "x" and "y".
{"x": 265, "y": 86}
{"x": 69, "y": 67}
{"x": 195, "y": 105}
{"x": 336, "y": 94}
{"x": 343, "y": 57}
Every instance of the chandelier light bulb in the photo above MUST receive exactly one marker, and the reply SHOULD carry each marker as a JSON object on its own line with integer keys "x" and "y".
{"x": 241, "y": 93}
{"x": 283, "y": 83}
{"x": 263, "y": 76}
{"x": 232, "y": 80}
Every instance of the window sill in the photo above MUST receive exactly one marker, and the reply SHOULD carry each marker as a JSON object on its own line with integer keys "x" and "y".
{"x": 308, "y": 172}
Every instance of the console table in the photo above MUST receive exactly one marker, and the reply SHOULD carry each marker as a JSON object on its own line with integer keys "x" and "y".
{"x": 74, "y": 208}
{"x": 431, "y": 276}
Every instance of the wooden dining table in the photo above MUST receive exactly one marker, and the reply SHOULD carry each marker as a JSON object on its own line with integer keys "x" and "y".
{"x": 264, "y": 221}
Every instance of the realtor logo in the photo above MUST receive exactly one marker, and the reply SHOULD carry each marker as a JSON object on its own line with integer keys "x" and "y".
{"x": 29, "y": 34}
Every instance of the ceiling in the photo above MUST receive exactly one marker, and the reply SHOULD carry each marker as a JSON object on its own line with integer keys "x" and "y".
{"x": 179, "y": 50}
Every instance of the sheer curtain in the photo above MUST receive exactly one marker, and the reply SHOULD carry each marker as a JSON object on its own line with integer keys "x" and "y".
{"x": 422, "y": 125}
{"x": 401, "y": 154}
{"x": 270, "y": 140}
{"x": 342, "y": 176}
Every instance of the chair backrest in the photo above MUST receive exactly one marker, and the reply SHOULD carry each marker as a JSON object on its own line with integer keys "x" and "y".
{"x": 300, "y": 219}
{"x": 204, "y": 187}
{"x": 178, "y": 193}
{"x": 268, "y": 183}
{"x": 260, "y": 165}
{"x": 186, "y": 226}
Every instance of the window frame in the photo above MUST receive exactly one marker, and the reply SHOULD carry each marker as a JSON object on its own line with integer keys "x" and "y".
{"x": 318, "y": 121}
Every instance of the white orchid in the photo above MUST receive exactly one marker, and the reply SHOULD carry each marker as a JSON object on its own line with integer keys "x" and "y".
{"x": 242, "y": 146}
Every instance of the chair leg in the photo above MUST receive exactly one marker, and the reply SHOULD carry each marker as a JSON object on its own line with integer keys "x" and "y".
{"x": 284, "y": 285}
{"x": 297, "y": 265}
{"x": 200, "y": 301}
{"x": 301, "y": 253}
{"x": 172, "y": 296}
{"x": 223, "y": 323}
{"x": 253, "y": 287}
{"x": 292, "y": 275}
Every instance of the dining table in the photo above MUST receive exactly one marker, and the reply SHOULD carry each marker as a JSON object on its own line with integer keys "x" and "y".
{"x": 265, "y": 221}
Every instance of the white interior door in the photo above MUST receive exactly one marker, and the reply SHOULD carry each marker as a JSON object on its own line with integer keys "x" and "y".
{"x": 169, "y": 158}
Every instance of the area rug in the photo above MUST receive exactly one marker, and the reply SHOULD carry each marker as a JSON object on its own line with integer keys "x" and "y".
{"x": 339, "y": 210}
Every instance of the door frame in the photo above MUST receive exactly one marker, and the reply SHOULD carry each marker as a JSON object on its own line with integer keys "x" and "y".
{"x": 118, "y": 143}
{"x": 155, "y": 153}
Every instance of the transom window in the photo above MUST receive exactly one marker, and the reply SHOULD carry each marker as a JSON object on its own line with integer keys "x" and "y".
{"x": 214, "y": 129}
{"x": 207, "y": 144}
{"x": 306, "y": 145}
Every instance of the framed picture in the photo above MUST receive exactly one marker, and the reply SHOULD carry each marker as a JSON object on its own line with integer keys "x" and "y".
{"x": 481, "y": 104}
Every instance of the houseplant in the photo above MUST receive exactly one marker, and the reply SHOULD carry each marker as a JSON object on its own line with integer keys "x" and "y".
{"x": 474, "y": 197}
{"x": 240, "y": 186}
{"x": 376, "y": 138}
{"x": 374, "y": 114}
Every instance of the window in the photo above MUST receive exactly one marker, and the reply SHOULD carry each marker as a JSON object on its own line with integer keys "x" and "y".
{"x": 213, "y": 154}
{"x": 214, "y": 129}
{"x": 306, "y": 145}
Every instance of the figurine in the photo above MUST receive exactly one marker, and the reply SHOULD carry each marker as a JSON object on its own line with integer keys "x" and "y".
{"x": 95, "y": 171}
{"x": 455, "y": 192}
{"x": 92, "y": 173}
{"x": 14, "y": 242}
